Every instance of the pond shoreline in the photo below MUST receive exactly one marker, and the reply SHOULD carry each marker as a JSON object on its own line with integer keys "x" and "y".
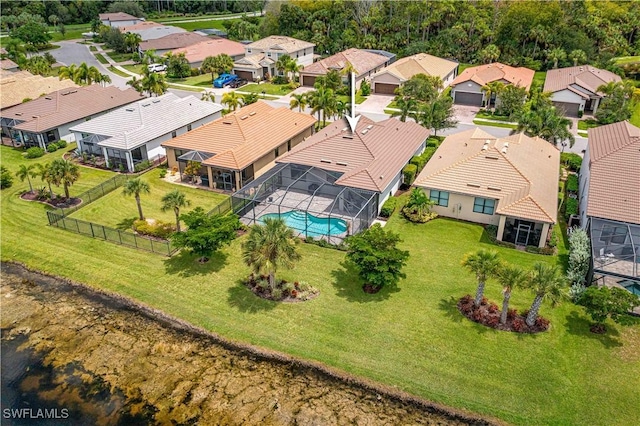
{"x": 167, "y": 342}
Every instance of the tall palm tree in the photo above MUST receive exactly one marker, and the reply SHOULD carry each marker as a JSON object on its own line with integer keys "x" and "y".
{"x": 539, "y": 34}
{"x": 557, "y": 54}
{"x": 149, "y": 57}
{"x": 298, "y": 100}
{"x": 136, "y": 187}
{"x": 406, "y": 106}
{"x": 132, "y": 41}
{"x": 322, "y": 100}
{"x": 269, "y": 246}
{"x": 64, "y": 172}
{"x": 294, "y": 68}
{"x": 546, "y": 282}
{"x": 484, "y": 264}
{"x": 103, "y": 79}
{"x": 509, "y": 277}
{"x": 82, "y": 73}
{"x": 232, "y": 99}
{"x": 27, "y": 172}
{"x": 578, "y": 55}
{"x": 175, "y": 200}
{"x": 490, "y": 89}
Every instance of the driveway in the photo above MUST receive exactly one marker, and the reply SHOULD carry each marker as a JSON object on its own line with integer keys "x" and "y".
{"x": 465, "y": 113}
{"x": 375, "y": 104}
{"x": 72, "y": 52}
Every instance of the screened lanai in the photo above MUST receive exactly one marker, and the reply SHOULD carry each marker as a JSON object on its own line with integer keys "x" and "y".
{"x": 309, "y": 201}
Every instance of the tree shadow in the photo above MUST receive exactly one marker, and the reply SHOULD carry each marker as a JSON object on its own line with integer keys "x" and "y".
{"x": 126, "y": 224}
{"x": 243, "y": 299}
{"x": 450, "y": 309}
{"x": 349, "y": 286}
{"x": 579, "y": 326}
{"x": 185, "y": 264}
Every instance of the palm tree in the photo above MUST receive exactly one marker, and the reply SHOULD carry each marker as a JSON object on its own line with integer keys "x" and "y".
{"x": 269, "y": 246}
{"x": 175, "y": 200}
{"x": 136, "y": 84}
{"x": 44, "y": 172}
{"x": 27, "y": 172}
{"x": 348, "y": 69}
{"x": 132, "y": 41}
{"x": 232, "y": 99}
{"x": 103, "y": 79}
{"x": 557, "y": 54}
{"x": 67, "y": 72}
{"x": 406, "y": 106}
{"x": 578, "y": 55}
{"x": 217, "y": 64}
{"x": 208, "y": 96}
{"x": 419, "y": 202}
{"x": 64, "y": 172}
{"x": 490, "y": 89}
{"x": 539, "y": 34}
{"x": 489, "y": 54}
{"x": 547, "y": 123}
{"x": 82, "y": 73}
{"x": 149, "y": 57}
{"x": 136, "y": 187}
{"x": 322, "y": 100}
{"x": 283, "y": 63}
{"x": 153, "y": 83}
{"x": 484, "y": 264}
{"x": 546, "y": 282}
{"x": 510, "y": 277}
{"x": 294, "y": 68}
{"x": 298, "y": 100}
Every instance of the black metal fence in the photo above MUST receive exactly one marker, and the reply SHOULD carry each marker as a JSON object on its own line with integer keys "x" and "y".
{"x": 117, "y": 236}
{"x": 96, "y": 192}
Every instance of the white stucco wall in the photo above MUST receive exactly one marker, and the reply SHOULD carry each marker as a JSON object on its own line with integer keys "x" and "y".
{"x": 568, "y": 96}
{"x": 461, "y": 207}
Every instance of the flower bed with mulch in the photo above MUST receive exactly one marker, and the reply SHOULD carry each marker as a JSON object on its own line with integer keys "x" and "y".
{"x": 283, "y": 292}
{"x": 488, "y": 315}
{"x": 58, "y": 202}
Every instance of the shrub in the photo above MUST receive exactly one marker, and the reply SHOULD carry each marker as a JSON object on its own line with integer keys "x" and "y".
{"x": 279, "y": 79}
{"x": 571, "y": 160}
{"x": 518, "y": 325}
{"x": 143, "y": 165}
{"x": 195, "y": 72}
{"x": 388, "y": 207}
{"x": 409, "y": 173}
{"x": 365, "y": 88}
{"x": 542, "y": 323}
{"x": 62, "y": 144}
{"x": 571, "y": 207}
{"x": 52, "y": 147}
{"x": 158, "y": 229}
{"x": 572, "y": 183}
{"x": 579, "y": 261}
{"x": 6, "y": 180}
{"x": 34, "y": 152}
{"x": 163, "y": 173}
{"x": 433, "y": 143}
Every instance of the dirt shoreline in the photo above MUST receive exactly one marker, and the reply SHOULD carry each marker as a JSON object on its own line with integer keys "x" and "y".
{"x": 171, "y": 371}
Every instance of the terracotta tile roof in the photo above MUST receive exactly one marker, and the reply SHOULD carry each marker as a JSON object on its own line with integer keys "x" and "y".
{"x": 173, "y": 41}
{"x": 17, "y": 86}
{"x": 585, "y": 76}
{"x": 361, "y": 60}
{"x": 118, "y": 16}
{"x": 284, "y": 43}
{"x": 8, "y": 64}
{"x": 614, "y": 167}
{"x": 68, "y": 105}
{"x": 422, "y": 63}
{"x": 370, "y": 158}
{"x": 518, "y": 171}
{"x": 242, "y": 137}
{"x": 496, "y": 71}
{"x": 211, "y": 47}
{"x": 255, "y": 61}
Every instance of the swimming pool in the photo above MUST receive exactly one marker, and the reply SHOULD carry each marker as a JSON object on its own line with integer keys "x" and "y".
{"x": 315, "y": 226}
{"x": 633, "y": 288}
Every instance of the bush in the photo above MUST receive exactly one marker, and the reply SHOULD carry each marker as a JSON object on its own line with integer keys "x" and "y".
{"x": 279, "y": 79}
{"x": 547, "y": 251}
{"x": 195, "y": 72}
{"x": 579, "y": 260}
{"x": 34, "y": 152}
{"x": 6, "y": 180}
{"x": 143, "y": 165}
{"x": 409, "y": 173}
{"x": 572, "y": 161}
{"x": 52, "y": 147}
{"x": 388, "y": 207}
{"x": 433, "y": 142}
{"x": 365, "y": 88}
{"x": 62, "y": 144}
{"x": 163, "y": 173}
{"x": 571, "y": 207}
{"x": 158, "y": 229}
{"x": 572, "y": 183}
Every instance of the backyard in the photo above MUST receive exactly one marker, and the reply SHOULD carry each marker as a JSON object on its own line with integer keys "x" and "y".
{"x": 411, "y": 337}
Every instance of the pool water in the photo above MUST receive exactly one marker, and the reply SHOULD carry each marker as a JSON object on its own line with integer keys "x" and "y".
{"x": 315, "y": 226}
{"x": 633, "y": 288}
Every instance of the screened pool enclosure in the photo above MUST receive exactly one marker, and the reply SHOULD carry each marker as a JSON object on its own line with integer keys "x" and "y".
{"x": 309, "y": 201}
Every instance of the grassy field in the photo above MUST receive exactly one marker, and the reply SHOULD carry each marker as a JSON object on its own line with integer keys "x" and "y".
{"x": 626, "y": 59}
{"x": 100, "y": 57}
{"x": 118, "y": 72}
{"x": 138, "y": 69}
{"x": 199, "y": 25}
{"x": 268, "y": 88}
{"x": 411, "y": 336}
{"x": 488, "y": 116}
{"x": 587, "y": 124}
{"x": 203, "y": 80}
{"x": 635, "y": 117}
{"x": 481, "y": 122}
{"x": 118, "y": 57}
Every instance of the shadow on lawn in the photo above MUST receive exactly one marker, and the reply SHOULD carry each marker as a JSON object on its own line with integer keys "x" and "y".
{"x": 450, "y": 309}
{"x": 244, "y": 300}
{"x": 126, "y": 224}
{"x": 349, "y": 286}
{"x": 185, "y": 264}
{"x": 579, "y": 326}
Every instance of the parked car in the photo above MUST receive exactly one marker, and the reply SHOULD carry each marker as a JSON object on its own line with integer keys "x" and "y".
{"x": 224, "y": 79}
{"x": 237, "y": 83}
{"x": 157, "y": 67}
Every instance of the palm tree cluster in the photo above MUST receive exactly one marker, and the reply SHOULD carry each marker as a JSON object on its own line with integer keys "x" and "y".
{"x": 151, "y": 83}
{"x": 83, "y": 74}
{"x": 217, "y": 65}
{"x": 288, "y": 66}
{"x": 58, "y": 172}
{"x": 539, "y": 117}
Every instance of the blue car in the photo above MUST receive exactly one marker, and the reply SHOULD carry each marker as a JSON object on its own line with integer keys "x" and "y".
{"x": 224, "y": 79}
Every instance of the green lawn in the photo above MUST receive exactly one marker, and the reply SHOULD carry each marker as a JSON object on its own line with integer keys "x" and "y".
{"x": 93, "y": 49}
{"x": 118, "y": 72}
{"x": 347, "y": 98}
{"x": 138, "y": 69}
{"x": 100, "y": 57}
{"x": 587, "y": 124}
{"x": 539, "y": 77}
{"x": 462, "y": 67}
{"x": 626, "y": 59}
{"x": 199, "y": 25}
{"x": 203, "y": 80}
{"x": 268, "y": 88}
{"x": 635, "y": 117}
{"x": 481, "y": 122}
{"x": 488, "y": 116}
{"x": 118, "y": 57}
{"x": 411, "y": 337}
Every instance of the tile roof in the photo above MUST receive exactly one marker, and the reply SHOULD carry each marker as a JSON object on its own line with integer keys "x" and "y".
{"x": 118, "y": 16}
{"x": 361, "y": 60}
{"x": 422, "y": 63}
{"x": 8, "y": 64}
{"x": 370, "y": 158}
{"x": 256, "y": 61}
{"x": 276, "y": 42}
{"x": 243, "y": 136}
{"x": 17, "y": 86}
{"x": 585, "y": 76}
{"x": 614, "y": 167}
{"x": 152, "y": 32}
{"x": 68, "y": 105}
{"x": 140, "y": 122}
{"x": 211, "y": 47}
{"x": 518, "y": 171}
{"x": 140, "y": 26}
{"x": 173, "y": 41}
{"x": 496, "y": 71}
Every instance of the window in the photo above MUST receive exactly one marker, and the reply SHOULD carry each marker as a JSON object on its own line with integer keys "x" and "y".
{"x": 483, "y": 205}
{"x": 613, "y": 234}
{"x": 289, "y": 145}
{"x": 248, "y": 51}
{"x": 173, "y": 134}
{"x": 441, "y": 198}
{"x": 188, "y": 127}
{"x": 276, "y": 152}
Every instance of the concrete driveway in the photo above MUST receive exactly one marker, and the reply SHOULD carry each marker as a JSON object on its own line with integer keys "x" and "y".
{"x": 465, "y": 113}
{"x": 375, "y": 104}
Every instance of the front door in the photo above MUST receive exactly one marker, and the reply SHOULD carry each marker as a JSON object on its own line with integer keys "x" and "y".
{"x": 523, "y": 232}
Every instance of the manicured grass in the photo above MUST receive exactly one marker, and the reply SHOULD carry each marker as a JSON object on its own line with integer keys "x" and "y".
{"x": 462, "y": 67}
{"x": 188, "y": 89}
{"x": 627, "y": 59}
{"x": 100, "y": 58}
{"x": 203, "y": 80}
{"x": 93, "y": 49}
{"x": 587, "y": 124}
{"x": 138, "y": 69}
{"x": 268, "y": 88}
{"x": 199, "y": 25}
{"x": 481, "y": 122}
{"x": 118, "y": 57}
{"x": 118, "y": 72}
{"x": 635, "y": 117}
{"x": 411, "y": 336}
{"x": 539, "y": 77}
{"x": 489, "y": 116}
{"x": 583, "y": 134}
{"x": 347, "y": 98}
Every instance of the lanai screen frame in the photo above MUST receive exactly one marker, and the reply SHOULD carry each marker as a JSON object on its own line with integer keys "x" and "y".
{"x": 289, "y": 186}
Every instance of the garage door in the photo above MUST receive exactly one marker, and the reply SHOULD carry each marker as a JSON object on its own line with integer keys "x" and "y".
{"x": 570, "y": 110}
{"x": 247, "y": 75}
{"x": 385, "y": 89}
{"x": 466, "y": 98}
{"x": 308, "y": 80}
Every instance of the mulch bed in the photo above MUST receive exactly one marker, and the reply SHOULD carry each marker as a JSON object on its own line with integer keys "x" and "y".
{"x": 58, "y": 202}
{"x": 488, "y": 315}
{"x": 297, "y": 294}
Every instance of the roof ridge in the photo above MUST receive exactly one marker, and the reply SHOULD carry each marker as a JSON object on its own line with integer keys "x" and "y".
{"x": 513, "y": 165}
{"x": 533, "y": 201}
{"x": 456, "y": 164}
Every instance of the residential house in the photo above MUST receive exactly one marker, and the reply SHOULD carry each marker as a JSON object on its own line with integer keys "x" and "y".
{"x": 9, "y": 65}
{"x": 387, "y": 80}
{"x": 134, "y": 133}
{"x": 511, "y": 183}
{"x": 466, "y": 89}
{"x": 240, "y": 146}
{"x": 363, "y": 62}
{"x": 16, "y": 87}
{"x": 170, "y": 42}
{"x": 119, "y": 19}
{"x": 50, "y": 117}
{"x": 609, "y": 197}
{"x": 196, "y": 53}
{"x": 151, "y": 30}
{"x": 262, "y": 55}
{"x": 575, "y": 89}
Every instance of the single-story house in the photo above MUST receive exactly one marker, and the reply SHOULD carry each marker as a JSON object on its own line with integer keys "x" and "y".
{"x": 363, "y": 62}
{"x": 119, "y": 19}
{"x": 171, "y": 42}
{"x": 609, "y": 197}
{"x": 152, "y": 30}
{"x": 387, "y": 80}
{"x": 239, "y": 147}
{"x": 9, "y": 65}
{"x": 262, "y": 55}
{"x": 134, "y": 133}
{"x": 18, "y": 86}
{"x": 511, "y": 183}
{"x": 196, "y": 53}
{"x": 50, "y": 118}
{"x": 575, "y": 89}
{"x": 466, "y": 89}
